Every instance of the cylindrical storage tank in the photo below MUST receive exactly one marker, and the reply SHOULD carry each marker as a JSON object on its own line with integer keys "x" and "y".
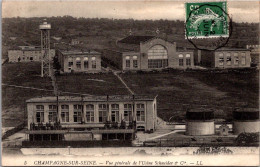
{"x": 246, "y": 120}
{"x": 200, "y": 122}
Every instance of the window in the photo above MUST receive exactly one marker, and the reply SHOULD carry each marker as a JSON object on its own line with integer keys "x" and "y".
{"x": 90, "y": 113}
{"x": 188, "y": 62}
{"x": 236, "y": 59}
{"x": 39, "y": 116}
{"x": 228, "y": 59}
{"x": 85, "y": 62}
{"x": 221, "y": 59}
{"x": 243, "y": 59}
{"x": 135, "y": 64}
{"x": 52, "y": 116}
{"x": 157, "y": 63}
{"x": 78, "y": 63}
{"x": 77, "y": 116}
{"x": 94, "y": 64}
{"x": 78, "y": 107}
{"x": 53, "y": 107}
{"x": 65, "y": 113}
{"x": 181, "y": 60}
{"x": 64, "y": 107}
{"x": 102, "y": 112}
{"x": 115, "y": 113}
{"x": 52, "y": 113}
{"x": 157, "y": 57}
{"x": 140, "y": 112}
{"x": 127, "y": 112}
{"x": 39, "y": 113}
{"x": 70, "y": 62}
{"x": 40, "y": 107}
{"x": 77, "y": 113}
{"x": 127, "y": 62}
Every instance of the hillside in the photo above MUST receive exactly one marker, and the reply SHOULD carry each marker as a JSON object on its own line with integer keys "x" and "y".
{"x": 99, "y": 33}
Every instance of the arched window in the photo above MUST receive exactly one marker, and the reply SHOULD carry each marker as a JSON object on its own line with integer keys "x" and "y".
{"x": 127, "y": 62}
{"x": 85, "y": 62}
{"x": 135, "y": 64}
{"x": 228, "y": 59}
{"x": 102, "y": 112}
{"x": 188, "y": 61}
{"x": 243, "y": 59}
{"x": 128, "y": 112}
{"x": 93, "y": 61}
{"x": 221, "y": 59}
{"x": 77, "y": 113}
{"x": 70, "y": 62}
{"x": 78, "y": 62}
{"x": 236, "y": 59}
{"x": 157, "y": 57}
{"x": 65, "y": 113}
{"x": 115, "y": 112}
{"x": 180, "y": 59}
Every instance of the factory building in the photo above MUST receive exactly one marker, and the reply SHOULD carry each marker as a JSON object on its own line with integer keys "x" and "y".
{"x": 246, "y": 120}
{"x": 79, "y": 61}
{"x": 148, "y": 53}
{"x": 225, "y": 58}
{"x": 27, "y": 54}
{"x": 90, "y": 117}
{"x": 200, "y": 122}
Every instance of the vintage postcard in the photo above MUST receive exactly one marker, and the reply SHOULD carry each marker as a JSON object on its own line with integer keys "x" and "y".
{"x": 130, "y": 83}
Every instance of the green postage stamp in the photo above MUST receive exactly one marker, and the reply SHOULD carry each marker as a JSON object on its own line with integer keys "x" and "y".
{"x": 206, "y": 20}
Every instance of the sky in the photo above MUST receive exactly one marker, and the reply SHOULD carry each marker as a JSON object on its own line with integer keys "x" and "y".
{"x": 240, "y": 11}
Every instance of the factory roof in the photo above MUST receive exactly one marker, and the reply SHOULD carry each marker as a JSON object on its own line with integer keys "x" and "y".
{"x": 247, "y": 110}
{"x": 26, "y": 48}
{"x": 232, "y": 49}
{"x": 184, "y": 49}
{"x": 132, "y": 39}
{"x": 121, "y": 49}
{"x": 91, "y": 98}
{"x": 78, "y": 52}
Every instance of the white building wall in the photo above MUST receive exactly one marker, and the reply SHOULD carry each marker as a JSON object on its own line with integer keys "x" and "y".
{"x": 150, "y": 112}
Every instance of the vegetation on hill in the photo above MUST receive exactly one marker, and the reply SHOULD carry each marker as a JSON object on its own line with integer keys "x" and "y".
{"x": 179, "y": 90}
{"x": 98, "y": 33}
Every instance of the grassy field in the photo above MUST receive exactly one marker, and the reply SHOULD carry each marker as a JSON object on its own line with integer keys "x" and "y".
{"x": 13, "y": 98}
{"x": 177, "y": 90}
{"x": 94, "y": 84}
{"x": 180, "y": 90}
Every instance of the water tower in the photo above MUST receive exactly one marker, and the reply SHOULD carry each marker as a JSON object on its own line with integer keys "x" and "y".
{"x": 45, "y": 48}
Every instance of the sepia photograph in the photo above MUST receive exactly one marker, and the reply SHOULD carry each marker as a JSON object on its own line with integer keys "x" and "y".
{"x": 130, "y": 83}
